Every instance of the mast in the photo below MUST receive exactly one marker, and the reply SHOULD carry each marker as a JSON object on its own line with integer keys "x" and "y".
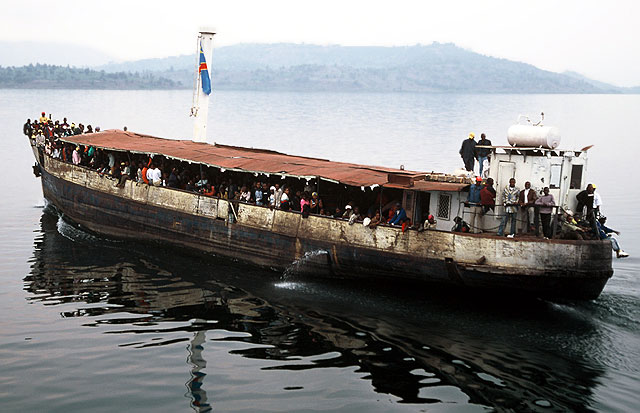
{"x": 202, "y": 85}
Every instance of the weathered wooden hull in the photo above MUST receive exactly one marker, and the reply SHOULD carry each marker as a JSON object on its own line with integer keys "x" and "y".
{"x": 273, "y": 238}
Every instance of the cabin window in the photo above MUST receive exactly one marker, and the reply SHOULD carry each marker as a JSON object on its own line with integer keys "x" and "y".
{"x": 554, "y": 181}
{"x": 576, "y": 177}
{"x": 444, "y": 206}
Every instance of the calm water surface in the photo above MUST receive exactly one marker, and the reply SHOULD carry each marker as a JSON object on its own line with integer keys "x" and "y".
{"x": 94, "y": 324}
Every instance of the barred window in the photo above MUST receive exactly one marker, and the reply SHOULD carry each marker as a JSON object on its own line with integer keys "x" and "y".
{"x": 444, "y": 206}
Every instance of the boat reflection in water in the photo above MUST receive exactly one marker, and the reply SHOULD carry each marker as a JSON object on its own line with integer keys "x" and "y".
{"x": 421, "y": 348}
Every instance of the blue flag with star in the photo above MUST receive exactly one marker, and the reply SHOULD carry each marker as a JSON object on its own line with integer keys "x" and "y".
{"x": 204, "y": 73}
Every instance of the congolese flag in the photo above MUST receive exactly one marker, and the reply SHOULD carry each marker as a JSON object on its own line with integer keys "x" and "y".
{"x": 204, "y": 73}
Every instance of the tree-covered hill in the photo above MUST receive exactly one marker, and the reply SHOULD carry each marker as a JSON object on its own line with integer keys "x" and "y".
{"x": 61, "y": 77}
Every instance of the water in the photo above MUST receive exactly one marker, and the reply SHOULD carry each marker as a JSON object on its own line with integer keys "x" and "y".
{"x": 92, "y": 324}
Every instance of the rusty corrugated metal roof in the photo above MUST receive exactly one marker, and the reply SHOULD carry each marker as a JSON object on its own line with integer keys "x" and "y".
{"x": 251, "y": 160}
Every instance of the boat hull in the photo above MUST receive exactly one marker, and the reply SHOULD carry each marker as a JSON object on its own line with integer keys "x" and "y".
{"x": 276, "y": 239}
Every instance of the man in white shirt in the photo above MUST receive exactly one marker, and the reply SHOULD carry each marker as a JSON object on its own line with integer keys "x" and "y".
{"x": 154, "y": 175}
{"x": 597, "y": 201}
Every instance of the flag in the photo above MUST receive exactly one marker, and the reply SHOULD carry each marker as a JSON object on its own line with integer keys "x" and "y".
{"x": 204, "y": 73}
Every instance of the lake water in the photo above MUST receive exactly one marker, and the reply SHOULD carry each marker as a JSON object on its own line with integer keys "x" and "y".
{"x": 90, "y": 324}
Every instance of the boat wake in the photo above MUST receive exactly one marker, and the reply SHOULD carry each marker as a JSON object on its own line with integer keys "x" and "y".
{"x": 74, "y": 234}
{"x": 298, "y": 266}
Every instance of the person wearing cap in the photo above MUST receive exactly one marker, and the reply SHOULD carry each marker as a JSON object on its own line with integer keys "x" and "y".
{"x": 604, "y": 232}
{"x": 316, "y": 203}
{"x": 527, "y": 200}
{"x": 597, "y": 201}
{"x": 43, "y": 118}
{"x": 272, "y": 197}
{"x": 430, "y": 222}
{"x": 482, "y": 154}
{"x": 569, "y": 228}
{"x": 475, "y": 209}
{"x": 468, "y": 152}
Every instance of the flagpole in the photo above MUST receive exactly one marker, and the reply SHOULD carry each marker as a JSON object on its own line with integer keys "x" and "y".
{"x": 201, "y": 109}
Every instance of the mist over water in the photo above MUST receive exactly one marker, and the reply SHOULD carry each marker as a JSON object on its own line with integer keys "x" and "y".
{"x": 93, "y": 324}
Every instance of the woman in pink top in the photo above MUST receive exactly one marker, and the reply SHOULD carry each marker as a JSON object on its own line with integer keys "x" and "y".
{"x": 75, "y": 157}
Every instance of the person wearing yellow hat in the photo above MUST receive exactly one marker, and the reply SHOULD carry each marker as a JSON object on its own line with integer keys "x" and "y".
{"x": 597, "y": 201}
{"x": 468, "y": 152}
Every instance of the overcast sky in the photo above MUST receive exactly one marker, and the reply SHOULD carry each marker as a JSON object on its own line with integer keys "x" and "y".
{"x": 596, "y": 38}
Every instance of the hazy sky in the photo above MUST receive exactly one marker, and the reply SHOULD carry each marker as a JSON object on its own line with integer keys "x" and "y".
{"x": 596, "y": 38}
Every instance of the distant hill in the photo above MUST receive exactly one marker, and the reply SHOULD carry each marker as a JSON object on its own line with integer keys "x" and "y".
{"x": 605, "y": 87}
{"x": 60, "y": 54}
{"x": 436, "y": 68}
{"x": 61, "y": 77}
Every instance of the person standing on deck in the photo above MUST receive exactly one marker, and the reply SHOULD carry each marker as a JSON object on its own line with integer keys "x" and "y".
{"x": 527, "y": 201}
{"x": 597, "y": 201}
{"x": 475, "y": 209}
{"x": 482, "y": 154}
{"x": 468, "y": 152}
{"x": 546, "y": 201}
{"x": 585, "y": 199}
{"x": 510, "y": 196}
{"x": 27, "y": 128}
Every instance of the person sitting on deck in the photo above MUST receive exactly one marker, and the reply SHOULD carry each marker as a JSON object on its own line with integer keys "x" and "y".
{"x": 172, "y": 181}
{"x": 208, "y": 190}
{"x": 604, "y": 232}
{"x": 154, "y": 175}
{"x": 430, "y": 223}
{"x": 569, "y": 228}
{"x": 245, "y": 194}
{"x": 285, "y": 204}
{"x": 348, "y": 210}
{"x": 460, "y": 225}
{"x": 355, "y": 216}
{"x": 400, "y": 215}
{"x": 375, "y": 221}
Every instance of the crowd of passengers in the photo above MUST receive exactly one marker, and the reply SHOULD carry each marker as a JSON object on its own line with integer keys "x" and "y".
{"x": 290, "y": 195}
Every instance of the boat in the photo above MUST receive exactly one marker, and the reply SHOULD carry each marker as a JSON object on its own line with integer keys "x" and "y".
{"x": 333, "y": 246}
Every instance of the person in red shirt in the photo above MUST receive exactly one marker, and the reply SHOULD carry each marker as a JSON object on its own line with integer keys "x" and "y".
{"x": 487, "y": 198}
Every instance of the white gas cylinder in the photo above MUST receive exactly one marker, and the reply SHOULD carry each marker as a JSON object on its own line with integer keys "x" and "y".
{"x": 533, "y": 136}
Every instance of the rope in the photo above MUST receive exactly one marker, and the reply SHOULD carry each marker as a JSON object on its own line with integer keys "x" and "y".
{"x": 195, "y": 99}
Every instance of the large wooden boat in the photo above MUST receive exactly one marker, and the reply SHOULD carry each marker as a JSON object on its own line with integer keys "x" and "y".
{"x": 275, "y": 238}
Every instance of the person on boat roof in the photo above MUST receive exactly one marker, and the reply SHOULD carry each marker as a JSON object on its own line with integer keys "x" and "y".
{"x": 482, "y": 154}
{"x": 468, "y": 152}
